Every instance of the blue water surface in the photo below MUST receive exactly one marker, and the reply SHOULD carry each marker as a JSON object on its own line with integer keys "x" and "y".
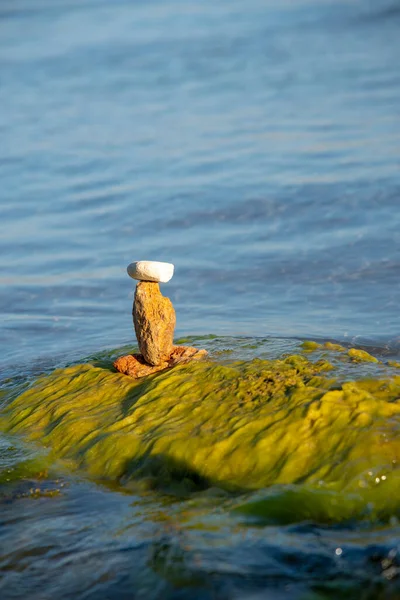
{"x": 256, "y": 145}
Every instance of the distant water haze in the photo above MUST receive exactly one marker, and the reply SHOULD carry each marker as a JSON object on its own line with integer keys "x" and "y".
{"x": 256, "y": 146}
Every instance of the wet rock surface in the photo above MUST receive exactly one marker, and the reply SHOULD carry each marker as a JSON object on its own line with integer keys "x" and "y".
{"x": 135, "y": 366}
{"x": 236, "y": 425}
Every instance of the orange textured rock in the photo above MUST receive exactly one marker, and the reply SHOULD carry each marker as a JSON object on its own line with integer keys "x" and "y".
{"x": 183, "y": 354}
{"x": 154, "y": 320}
{"x": 135, "y": 366}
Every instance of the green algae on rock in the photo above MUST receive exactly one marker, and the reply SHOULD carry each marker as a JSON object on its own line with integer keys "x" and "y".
{"x": 361, "y": 355}
{"x": 239, "y": 426}
{"x": 310, "y": 346}
{"x": 371, "y": 497}
{"x": 393, "y": 363}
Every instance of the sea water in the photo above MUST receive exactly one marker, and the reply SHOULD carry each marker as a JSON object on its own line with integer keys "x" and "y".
{"x": 256, "y": 146}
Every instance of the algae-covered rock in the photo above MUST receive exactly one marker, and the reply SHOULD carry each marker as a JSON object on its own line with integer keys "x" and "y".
{"x": 334, "y": 347}
{"x": 361, "y": 355}
{"x": 310, "y": 346}
{"x": 394, "y": 363}
{"x": 244, "y": 426}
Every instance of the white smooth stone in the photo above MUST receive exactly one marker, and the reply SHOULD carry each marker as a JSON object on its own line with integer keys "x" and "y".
{"x": 150, "y": 270}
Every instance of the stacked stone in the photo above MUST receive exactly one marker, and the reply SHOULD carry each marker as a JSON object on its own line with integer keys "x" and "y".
{"x": 154, "y": 321}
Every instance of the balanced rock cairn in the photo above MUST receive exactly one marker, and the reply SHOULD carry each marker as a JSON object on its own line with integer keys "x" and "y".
{"x": 154, "y": 320}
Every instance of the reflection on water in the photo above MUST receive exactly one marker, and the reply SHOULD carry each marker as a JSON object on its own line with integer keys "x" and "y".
{"x": 92, "y": 543}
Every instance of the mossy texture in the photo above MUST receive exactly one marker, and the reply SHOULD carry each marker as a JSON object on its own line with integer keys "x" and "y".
{"x": 361, "y": 355}
{"x": 241, "y": 426}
